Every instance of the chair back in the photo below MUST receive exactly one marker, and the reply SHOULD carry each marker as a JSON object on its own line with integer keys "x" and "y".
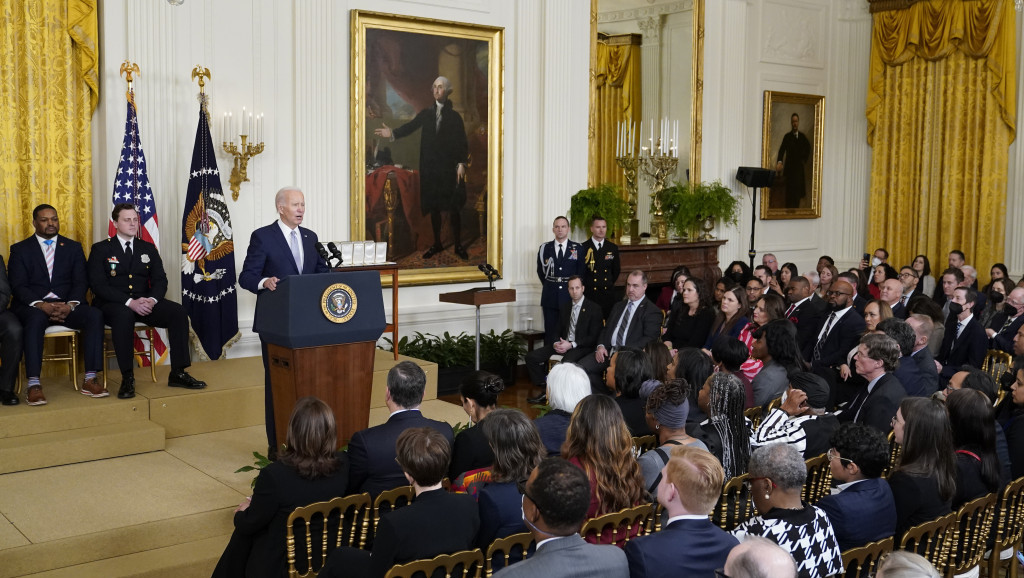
{"x": 754, "y": 415}
{"x": 347, "y": 518}
{"x": 862, "y": 561}
{"x": 619, "y": 527}
{"x": 391, "y": 500}
{"x": 773, "y": 404}
{"x": 734, "y": 506}
{"x": 969, "y": 539}
{"x": 465, "y": 564}
{"x": 996, "y": 363}
{"x": 1009, "y": 526}
{"x": 521, "y": 546}
{"x": 819, "y": 479}
{"x": 931, "y": 540}
{"x": 894, "y": 455}
{"x": 643, "y": 444}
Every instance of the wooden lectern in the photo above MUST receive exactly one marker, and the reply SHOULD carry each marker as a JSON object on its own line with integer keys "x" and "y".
{"x": 321, "y": 331}
{"x": 478, "y": 297}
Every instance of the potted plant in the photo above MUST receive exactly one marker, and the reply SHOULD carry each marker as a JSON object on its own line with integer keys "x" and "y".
{"x": 605, "y": 200}
{"x": 693, "y": 207}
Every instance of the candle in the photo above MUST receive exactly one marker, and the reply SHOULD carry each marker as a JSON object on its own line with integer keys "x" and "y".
{"x": 241, "y": 123}
{"x": 224, "y": 128}
{"x": 230, "y": 137}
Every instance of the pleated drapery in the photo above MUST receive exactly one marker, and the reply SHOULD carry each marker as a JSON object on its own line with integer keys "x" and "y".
{"x": 615, "y": 97}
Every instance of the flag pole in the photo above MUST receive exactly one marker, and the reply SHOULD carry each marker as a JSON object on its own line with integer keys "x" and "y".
{"x": 128, "y": 68}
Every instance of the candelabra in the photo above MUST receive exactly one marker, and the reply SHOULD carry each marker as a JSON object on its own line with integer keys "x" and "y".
{"x": 655, "y": 161}
{"x": 243, "y": 151}
{"x": 656, "y": 168}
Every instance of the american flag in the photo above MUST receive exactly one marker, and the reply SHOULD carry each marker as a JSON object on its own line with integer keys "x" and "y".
{"x": 131, "y": 185}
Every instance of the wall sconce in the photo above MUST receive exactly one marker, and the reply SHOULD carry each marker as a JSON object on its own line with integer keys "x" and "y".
{"x": 250, "y": 126}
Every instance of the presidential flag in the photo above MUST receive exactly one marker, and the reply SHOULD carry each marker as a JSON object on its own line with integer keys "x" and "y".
{"x": 131, "y": 185}
{"x": 207, "y": 250}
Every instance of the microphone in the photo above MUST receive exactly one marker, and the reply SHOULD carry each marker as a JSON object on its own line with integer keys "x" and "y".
{"x": 336, "y": 252}
{"x": 323, "y": 254}
{"x": 483, "y": 268}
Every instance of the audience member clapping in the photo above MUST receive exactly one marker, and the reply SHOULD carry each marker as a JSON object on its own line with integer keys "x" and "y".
{"x": 924, "y": 482}
{"x": 567, "y": 385}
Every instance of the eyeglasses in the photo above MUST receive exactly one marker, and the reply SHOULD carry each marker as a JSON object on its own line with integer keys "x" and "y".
{"x": 834, "y": 293}
{"x": 720, "y": 573}
{"x": 831, "y": 456}
{"x": 749, "y": 483}
{"x": 521, "y": 486}
{"x": 904, "y": 275}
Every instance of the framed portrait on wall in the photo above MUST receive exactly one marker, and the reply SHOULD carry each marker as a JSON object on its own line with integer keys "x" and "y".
{"x": 791, "y": 143}
{"x": 426, "y": 144}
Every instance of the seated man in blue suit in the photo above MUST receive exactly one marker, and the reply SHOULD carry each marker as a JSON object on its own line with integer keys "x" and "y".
{"x": 916, "y": 381}
{"x": 864, "y": 510}
{"x": 555, "y": 501}
{"x": 371, "y": 452}
{"x": 278, "y": 250}
{"x": 689, "y": 545}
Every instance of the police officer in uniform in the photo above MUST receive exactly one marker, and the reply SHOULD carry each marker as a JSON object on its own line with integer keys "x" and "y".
{"x": 600, "y": 266}
{"x": 557, "y": 261}
{"x": 129, "y": 283}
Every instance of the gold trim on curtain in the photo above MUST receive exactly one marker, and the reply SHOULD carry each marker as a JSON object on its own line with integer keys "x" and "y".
{"x": 49, "y": 87}
{"x": 941, "y": 113}
{"x": 617, "y": 86}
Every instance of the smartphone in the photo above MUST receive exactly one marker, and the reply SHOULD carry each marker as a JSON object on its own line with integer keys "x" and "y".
{"x": 867, "y": 256}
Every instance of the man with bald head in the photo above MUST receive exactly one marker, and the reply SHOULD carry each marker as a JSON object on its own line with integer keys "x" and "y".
{"x": 804, "y": 312}
{"x": 838, "y": 332}
{"x": 276, "y": 251}
{"x": 444, "y": 152}
{"x": 1006, "y": 323}
{"x": 890, "y": 291}
{"x": 758, "y": 557}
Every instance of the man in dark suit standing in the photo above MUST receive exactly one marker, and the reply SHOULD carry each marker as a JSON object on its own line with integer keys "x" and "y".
{"x": 276, "y": 251}
{"x": 1004, "y": 325}
{"x": 47, "y": 272}
{"x": 837, "y": 334}
{"x": 128, "y": 280}
{"x": 444, "y": 151}
{"x": 689, "y": 544}
{"x": 632, "y": 323}
{"x": 371, "y": 452}
{"x": 579, "y": 326}
{"x": 964, "y": 341}
{"x": 600, "y": 266}
{"x": 794, "y": 153}
{"x": 804, "y": 312}
{"x": 10, "y": 342}
{"x": 876, "y": 403}
{"x": 557, "y": 260}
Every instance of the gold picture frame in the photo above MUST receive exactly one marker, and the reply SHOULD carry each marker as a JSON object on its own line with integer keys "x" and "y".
{"x": 795, "y": 158}
{"x": 395, "y": 61}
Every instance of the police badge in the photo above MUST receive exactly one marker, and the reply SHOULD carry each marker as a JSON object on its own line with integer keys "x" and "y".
{"x": 338, "y": 303}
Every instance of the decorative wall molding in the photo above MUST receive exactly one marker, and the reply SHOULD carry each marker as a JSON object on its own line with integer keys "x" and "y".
{"x": 645, "y": 11}
{"x": 793, "y": 33}
{"x": 650, "y": 28}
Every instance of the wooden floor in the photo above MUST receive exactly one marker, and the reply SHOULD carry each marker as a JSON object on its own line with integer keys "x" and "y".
{"x": 513, "y": 397}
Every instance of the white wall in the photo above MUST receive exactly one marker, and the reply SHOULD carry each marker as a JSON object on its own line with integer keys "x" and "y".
{"x": 291, "y": 60}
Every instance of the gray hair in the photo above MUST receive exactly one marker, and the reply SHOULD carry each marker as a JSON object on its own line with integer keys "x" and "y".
{"x": 279, "y": 197}
{"x": 567, "y": 385}
{"x": 447, "y": 84}
{"x": 780, "y": 462}
{"x": 903, "y": 564}
{"x": 969, "y": 271}
{"x": 813, "y": 278}
{"x": 882, "y": 348}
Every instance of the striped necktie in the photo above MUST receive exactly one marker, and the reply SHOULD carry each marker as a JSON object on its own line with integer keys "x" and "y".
{"x": 49, "y": 257}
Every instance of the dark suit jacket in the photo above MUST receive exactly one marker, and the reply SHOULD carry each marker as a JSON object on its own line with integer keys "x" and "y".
{"x": 843, "y": 337}
{"x": 914, "y": 381}
{"x": 5, "y": 286}
{"x": 878, "y": 407}
{"x": 1003, "y": 340}
{"x": 862, "y": 513}
{"x": 32, "y": 282}
{"x": 501, "y": 515}
{"x": 441, "y": 151}
{"x": 971, "y": 347}
{"x": 588, "y": 324}
{"x": 683, "y": 548}
{"x": 269, "y": 255}
{"x": 645, "y": 325}
{"x": 552, "y": 427}
{"x": 568, "y": 557}
{"x": 899, "y": 311}
{"x": 115, "y": 280}
{"x": 807, "y": 318}
{"x": 926, "y": 370}
{"x": 279, "y": 490}
{"x": 371, "y": 452}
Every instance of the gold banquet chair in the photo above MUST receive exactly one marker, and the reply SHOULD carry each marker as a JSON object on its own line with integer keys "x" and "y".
{"x": 150, "y": 354}
{"x": 969, "y": 539}
{"x": 643, "y": 444}
{"x": 931, "y": 540}
{"x": 352, "y": 515}
{"x": 70, "y": 356}
{"x": 465, "y": 564}
{"x": 996, "y": 363}
{"x": 639, "y": 518}
{"x": 1009, "y": 529}
{"x": 390, "y": 500}
{"x": 506, "y": 547}
{"x": 734, "y": 506}
{"x": 894, "y": 455}
{"x": 862, "y": 561}
{"x": 819, "y": 479}
{"x": 754, "y": 415}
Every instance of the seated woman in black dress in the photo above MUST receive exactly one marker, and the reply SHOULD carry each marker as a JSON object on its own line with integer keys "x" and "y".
{"x": 628, "y": 370}
{"x": 924, "y": 482}
{"x": 479, "y": 391}
{"x": 972, "y": 418}
{"x": 308, "y": 470}
{"x": 690, "y": 319}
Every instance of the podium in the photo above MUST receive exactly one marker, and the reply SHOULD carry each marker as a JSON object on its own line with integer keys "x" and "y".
{"x": 478, "y": 297}
{"x": 321, "y": 331}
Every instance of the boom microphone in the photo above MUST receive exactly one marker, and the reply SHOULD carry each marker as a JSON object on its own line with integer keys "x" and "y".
{"x": 323, "y": 254}
{"x": 336, "y": 252}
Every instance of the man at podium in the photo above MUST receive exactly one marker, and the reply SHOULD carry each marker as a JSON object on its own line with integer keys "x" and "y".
{"x": 278, "y": 250}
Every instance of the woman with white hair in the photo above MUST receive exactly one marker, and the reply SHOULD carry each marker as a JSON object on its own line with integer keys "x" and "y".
{"x": 567, "y": 385}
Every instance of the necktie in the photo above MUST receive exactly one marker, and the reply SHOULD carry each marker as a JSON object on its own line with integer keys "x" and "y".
{"x": 572, "y": 323}
{"x": 904, "y": 300}
{"x": 1009, "y": 322}
{"x": 858, "y": 402}
{"x": 559, "y": 251}
{"x": 956, "y": 335}
{"x": 824, "y": 336}
{"x": 128, "y": 251}
{"x": 49, "y": 256}
{"x": 599, "y": 243}
{"x": 437, "y": 118}
{"x": 620, "y": 335}
{"x": 790, "y": 310}
{"x": 295, "y": 250}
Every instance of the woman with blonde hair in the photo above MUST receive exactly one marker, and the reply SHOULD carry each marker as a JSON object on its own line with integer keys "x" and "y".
{"x": 598, "y": 441}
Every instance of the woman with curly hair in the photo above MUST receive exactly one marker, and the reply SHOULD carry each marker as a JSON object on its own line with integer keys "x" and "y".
{"x": 726, "y": 432}
{"x": 598, "y": 441}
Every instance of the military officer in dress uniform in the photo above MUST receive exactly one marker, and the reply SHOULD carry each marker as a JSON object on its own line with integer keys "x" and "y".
{"x": 129, "y": 283}
{"x": 557, "y": 261}
{"x": 600, "y": 266}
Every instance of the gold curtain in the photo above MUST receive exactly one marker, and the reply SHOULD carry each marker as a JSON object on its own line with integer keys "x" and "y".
{"x": 49, "y": 87}
{"x": 941, "y": 113}
{"x": 615, "y": 97}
